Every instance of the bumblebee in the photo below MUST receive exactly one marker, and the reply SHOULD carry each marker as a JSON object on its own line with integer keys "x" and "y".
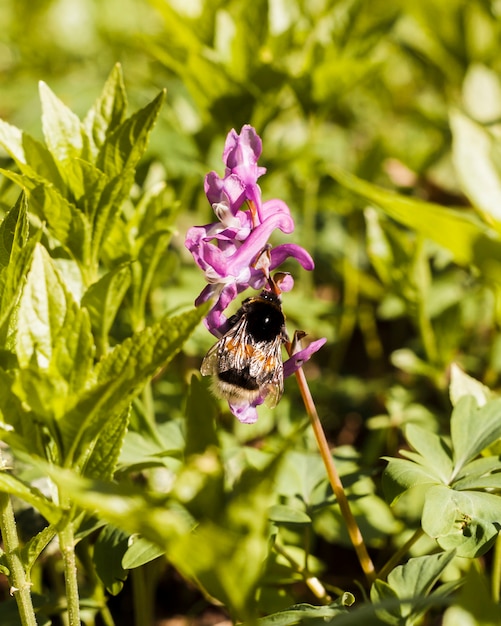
{"x": 246, "y": 362}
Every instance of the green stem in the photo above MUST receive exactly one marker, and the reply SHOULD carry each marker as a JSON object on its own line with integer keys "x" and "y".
{"x": 496, "y": 571}
{"x": 20, "y": 585}
{"x": 335, "y": 481}
{"x": 311, "y": 581}
{"x": 399, "y": 554}
{"x": 67, "y": 544}
{"x": 142, "y": 605}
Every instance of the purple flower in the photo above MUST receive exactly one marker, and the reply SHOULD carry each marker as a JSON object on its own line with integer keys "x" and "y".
{"x": 234, "y": 252}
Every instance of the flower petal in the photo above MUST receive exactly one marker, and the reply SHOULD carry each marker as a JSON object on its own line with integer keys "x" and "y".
{"x": 246, "y": 413}
{"x": 299, "y": 358}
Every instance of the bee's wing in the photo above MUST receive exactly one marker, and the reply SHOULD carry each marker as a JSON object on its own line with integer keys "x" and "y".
{"x": 228, "y": 352}
{"x": 270, "y": 372}
{"x": 209, "y": 364}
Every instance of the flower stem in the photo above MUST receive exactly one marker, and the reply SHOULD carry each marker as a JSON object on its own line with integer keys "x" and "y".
{"x": 312, "y": 582}
{"x": 399, "y": 554}
{"x": 20, "y": 585}
{"x": 496, "y": 570}
{"x": 67, "y": 544}
{"x": 335, "y": 481}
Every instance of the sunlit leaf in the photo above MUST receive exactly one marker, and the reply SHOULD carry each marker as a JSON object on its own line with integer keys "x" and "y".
{"x": 472, "y": 154}
{"x": 62, "y": 129}
{"x": 464, "y": 520}
{"x": 473, "y": 429}
{"x": 451, "y": 229}
{"x": 109, "y": 110}
{"x": 123, "y": 147}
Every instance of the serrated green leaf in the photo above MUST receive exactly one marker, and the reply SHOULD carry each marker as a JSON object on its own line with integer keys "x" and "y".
{"x": 452, "y": 230}
{"x": 16, "y": 487}
{"x": 16, "y": 258}
{"x": 433, "y": 449}
{"x": 105, "y": 206}
{"x": 42, "y": 311}
{"x": 140, "y": 552}
{"x": 152, "y": 252}
{"x": 100, "y": 459}
{"x": 35, "y": 546}
{"x": 32, "y": 157}
{"x": 109, "y": 549}
{"x": 465, "y": 520}
{"x": 103, "y": 300}
{"x": 109, "y": 110}
{"x": 62, "y": 129}
{"x": 472, "y": 156}
{"x": 122, "y": 374}
{"x": 124, "y": 147}
{"x": 13, "y": 233}
{"x": 64, "y": 220}
{"x": 473, "y": 429}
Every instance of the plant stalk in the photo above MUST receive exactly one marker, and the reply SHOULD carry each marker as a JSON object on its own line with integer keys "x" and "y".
{"x": 399, "y": 554}
{"x": 67, "y": 544}
{"x": 496, "y": 571}
{"x": 20, "y": 584}
{"x": 335, "y": 481}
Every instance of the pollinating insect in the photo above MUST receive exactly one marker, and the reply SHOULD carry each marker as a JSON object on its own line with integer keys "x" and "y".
{"x": 246, "y": 362}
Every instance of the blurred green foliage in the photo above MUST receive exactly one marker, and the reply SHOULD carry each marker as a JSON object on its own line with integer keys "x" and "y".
{"x": 381, "y": 130}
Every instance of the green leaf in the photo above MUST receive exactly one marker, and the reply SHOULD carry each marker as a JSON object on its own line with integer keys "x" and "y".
{"x": 36, "y": 544}
{"x": 452, "y": 230}
{"x": 105, "y": 207}
{"x": 126, "y": 506}
{"x": 41, "y": 313}
{"x": 109, "y": 549}
{"x": 124, "y": 147}
{"x": 122, "y": 374}
{"x": 16, "y": 253}
{"x": 101, "y": 457}
{"x": 283, "y": 514}
{"x": 64, "y": 220}
{"x": 32, "y": 157}
{"x": 464, "y": 385}
{"x": 473, "y": 605}
{"x": 109, "y": 110}
{"x": 201, "y": 413}
{"x": 140, "y": 552}
{"x": 308, "y": 614}
{"x": 62, "y": 129}
{"x": 417, "y": 577}
{"x": 472, "y": 148}
{"x": 434, "y": 452}
{"x": 16, "y": 487}
{"x": 473, "y": 429}
{"x": 13, "y": 233}
{"x": 465, "y": 520}
{"x": 411, "y": 581}
{"x": 103, "y": 299}
{"x": 401, "y": 475}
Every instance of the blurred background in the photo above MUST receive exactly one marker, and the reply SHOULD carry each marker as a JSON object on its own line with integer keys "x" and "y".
{"x": 367, "y": 86}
